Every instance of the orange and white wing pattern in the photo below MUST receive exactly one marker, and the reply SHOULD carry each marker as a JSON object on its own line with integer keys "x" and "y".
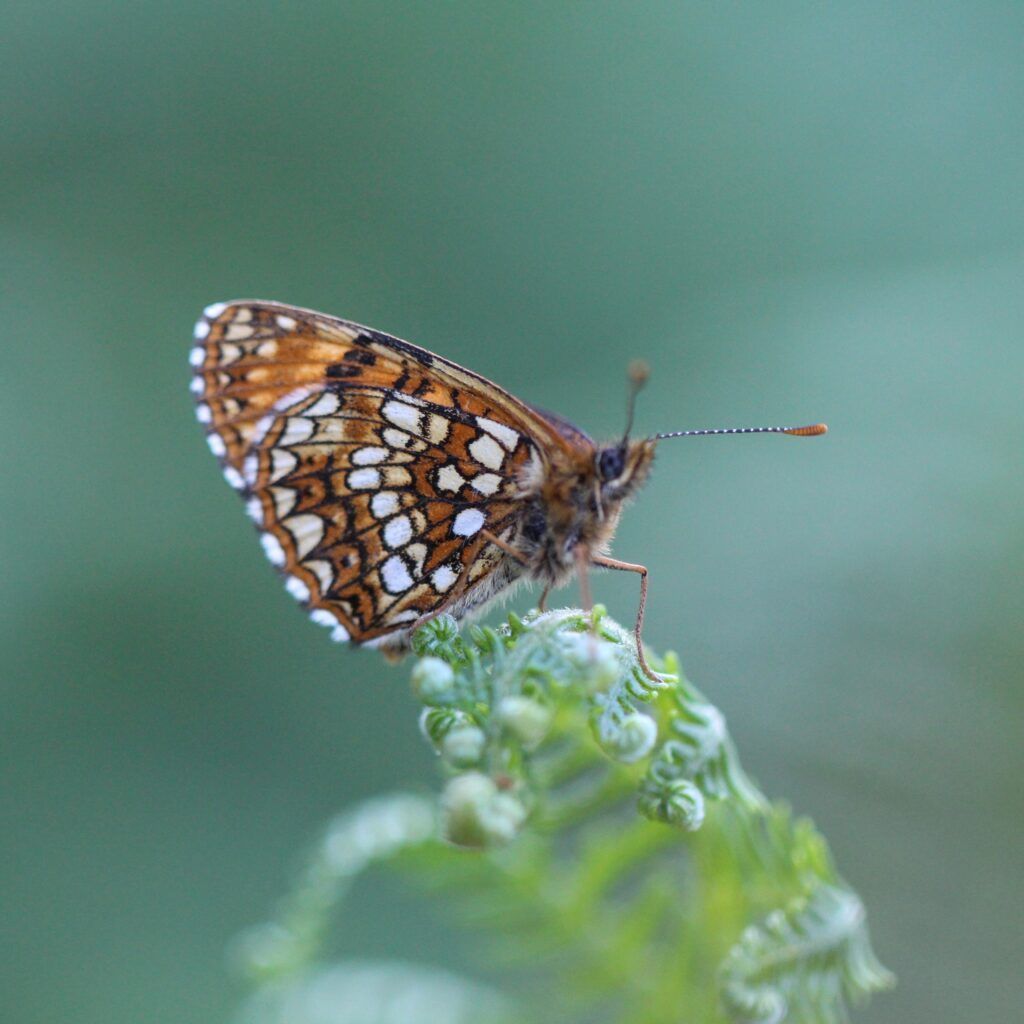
{"x": 374, "y": 469}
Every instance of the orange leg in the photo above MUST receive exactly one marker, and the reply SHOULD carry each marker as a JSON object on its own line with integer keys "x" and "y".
{"x": 582, "y": 560}
{"x": 611, "y": 563}
{"x": 494, "y": 539}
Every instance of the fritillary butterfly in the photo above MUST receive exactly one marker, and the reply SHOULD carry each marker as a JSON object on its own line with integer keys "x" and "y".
{"x": 389, "y": 484}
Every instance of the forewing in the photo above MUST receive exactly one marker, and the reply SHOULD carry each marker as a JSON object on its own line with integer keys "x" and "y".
{"x": 373, "y": 468}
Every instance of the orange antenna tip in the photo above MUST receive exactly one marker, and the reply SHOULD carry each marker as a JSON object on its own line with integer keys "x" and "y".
{"x": 814, "y": 430}
{"x": 638, "y": 371}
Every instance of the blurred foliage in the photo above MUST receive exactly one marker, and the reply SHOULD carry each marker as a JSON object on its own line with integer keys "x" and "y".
{"x": 794, "y": 211}
{"x": 718, "y": 907}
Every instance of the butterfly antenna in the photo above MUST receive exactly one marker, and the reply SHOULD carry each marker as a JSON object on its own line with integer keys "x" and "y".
{"x": 638, "y": 372}
{"x": 811, "y": 431}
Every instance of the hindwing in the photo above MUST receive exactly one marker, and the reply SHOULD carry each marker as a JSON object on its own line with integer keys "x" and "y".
{"x": 375, "y": 470}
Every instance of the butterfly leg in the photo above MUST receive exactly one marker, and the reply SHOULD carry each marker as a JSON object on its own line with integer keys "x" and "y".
{"x": 612, "y": 563}
{"x": 542, "y": 604}
{"x": 583, "y": 559}
{"x": 504, "y": 546}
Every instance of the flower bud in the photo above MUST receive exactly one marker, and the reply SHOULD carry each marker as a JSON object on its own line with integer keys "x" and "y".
{"x": 477, "y": 814}
{"x": 463, "y": 746}
{"x": 432, "y": 680}
{"x": 526, "y": 719}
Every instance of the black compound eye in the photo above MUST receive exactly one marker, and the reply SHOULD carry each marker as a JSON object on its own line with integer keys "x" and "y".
{"x": 610, "y": 463}
{"x": 535, "y": 525}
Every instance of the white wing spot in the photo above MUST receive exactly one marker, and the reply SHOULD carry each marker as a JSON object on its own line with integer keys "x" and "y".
{"x": 297, "y": 588}
{"x": 485, "y": 483}
{"x": 238, "y": 332}
{"x": 397, "y": 531}
{"x": 284, "y": 500}
{"x": 395, "y": 575}
{"x": 254, "y": 510}
{"x": 326, "y": 405}
{"x": 339, "y": 635}
{"x": 293, "y": 397}
{"x": 467, "y": 522}
{"x": 197, "y": 356}
{"x": 272, "y": 548}
{"x": 230, "y": 353}
{"x": 197, "y": 385}
{"x": 234, "y": 478}
{"x": 487, "y": 452}
{"x": 402, "y": 415}
{"x": 259, "y": 432}
{"x": 250, "y": 468}
{"x": 307, "y": 531}
{"x": 214, "y": 310}
{"x": 364, "y": 479}
{"x": 418, "y": 553}
{"x": 242, "y": 315}
{"x": 443, "y": 578}
{"x": 437, "y": 429}
{"x": 383, "y": 504}
{"x": 297, "y": 428}
{"x": 506, "y": 435}
{"x": 396, "y": 438}
{"x": 281, "y": 463}
{"x": 286, "y": 323}
{"x": 449, "y": 479}
{"x": 368, "y": 456}
{"x": 201, "y": 330}
{"x": 216, "y": 444}
{"x": 409, "y": 615}
{"x": 322, "y": 617}
{"x": 323, "y": 572}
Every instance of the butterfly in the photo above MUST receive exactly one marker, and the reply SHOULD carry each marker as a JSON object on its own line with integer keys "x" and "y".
{"x": 390, "y": 485}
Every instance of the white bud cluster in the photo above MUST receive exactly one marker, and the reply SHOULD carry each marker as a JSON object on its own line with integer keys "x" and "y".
{"x": 433, "y": 680}
{"x": 477, "y": 814}
{"x": 525, "y": 718}
{"x": 463, "y": 745}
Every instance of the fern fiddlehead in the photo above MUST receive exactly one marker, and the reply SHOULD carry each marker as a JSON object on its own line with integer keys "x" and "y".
{"x": 711, "y": 904}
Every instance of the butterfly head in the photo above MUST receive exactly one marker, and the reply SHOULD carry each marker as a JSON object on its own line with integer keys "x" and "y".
{"x": 621, "y": 468}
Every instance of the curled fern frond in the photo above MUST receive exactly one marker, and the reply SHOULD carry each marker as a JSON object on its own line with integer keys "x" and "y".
{"x": 712, "y": 904}
{"x": 798, "y": 964}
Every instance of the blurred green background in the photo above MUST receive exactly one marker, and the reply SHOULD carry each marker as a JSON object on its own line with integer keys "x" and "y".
{"x": 794, "y": 211}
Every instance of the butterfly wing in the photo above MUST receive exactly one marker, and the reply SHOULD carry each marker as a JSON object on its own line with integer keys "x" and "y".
{"x": 374, "y": 469}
